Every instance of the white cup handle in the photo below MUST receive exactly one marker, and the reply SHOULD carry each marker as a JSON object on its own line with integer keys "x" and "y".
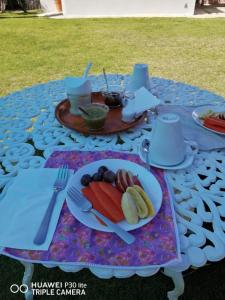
{"x": 194, "y": 146}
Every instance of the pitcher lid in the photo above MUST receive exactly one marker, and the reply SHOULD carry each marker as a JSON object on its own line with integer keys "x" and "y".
{"x": 169, "y": 118}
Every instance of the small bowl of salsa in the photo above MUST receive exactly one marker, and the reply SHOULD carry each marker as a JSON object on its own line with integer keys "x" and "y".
{"x": 97, "y": 113}
{"x": 113, "y": 95}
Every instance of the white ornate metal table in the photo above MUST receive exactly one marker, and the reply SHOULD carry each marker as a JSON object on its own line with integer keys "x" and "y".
{"x": 29, "y": 133}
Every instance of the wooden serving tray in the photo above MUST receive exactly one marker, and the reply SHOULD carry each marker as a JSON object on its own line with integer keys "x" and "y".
{"x": 113, "y": 121}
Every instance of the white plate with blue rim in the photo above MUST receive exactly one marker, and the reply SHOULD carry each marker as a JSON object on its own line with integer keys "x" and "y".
{"x": 149, "y": 182}
{"x": 201, "y": 110}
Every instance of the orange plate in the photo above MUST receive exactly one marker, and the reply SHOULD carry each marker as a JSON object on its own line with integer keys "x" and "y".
{"x": 113, "y": 121}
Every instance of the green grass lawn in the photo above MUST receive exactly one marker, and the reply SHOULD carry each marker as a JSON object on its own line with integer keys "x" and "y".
{"x": 34, "y": 50}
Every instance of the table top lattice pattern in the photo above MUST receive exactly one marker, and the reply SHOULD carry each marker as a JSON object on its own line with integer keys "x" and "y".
{"x": 29, "y": 133}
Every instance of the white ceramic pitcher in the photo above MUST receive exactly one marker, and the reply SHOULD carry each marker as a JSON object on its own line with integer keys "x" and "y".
{"x": 139, "y": 78}
{"x": 167, "y": 146}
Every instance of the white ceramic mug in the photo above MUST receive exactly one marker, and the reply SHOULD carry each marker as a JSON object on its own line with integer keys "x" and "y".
{"x": 167, "y": 146}
{"x": 140, "y": 77}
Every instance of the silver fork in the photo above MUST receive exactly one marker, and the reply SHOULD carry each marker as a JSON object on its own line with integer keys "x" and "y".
{"x": 86, "y": 206}
{"x": 59, "y": 185}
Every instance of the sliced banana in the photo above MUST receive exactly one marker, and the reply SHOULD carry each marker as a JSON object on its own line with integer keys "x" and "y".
{"x": 147, "y": 200}
{"x": 142, "y": 208}
{"x": 129, "y": 209}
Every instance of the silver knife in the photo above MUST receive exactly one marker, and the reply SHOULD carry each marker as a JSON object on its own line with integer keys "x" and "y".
{"x": 86, "y": 206}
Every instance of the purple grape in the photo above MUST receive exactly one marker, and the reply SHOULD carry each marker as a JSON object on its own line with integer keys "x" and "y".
{"x": 102, "y": 170}
{"x": 97, "y": 177}
{"x": 109, "y": 176}
{"x": 86, "y": 179}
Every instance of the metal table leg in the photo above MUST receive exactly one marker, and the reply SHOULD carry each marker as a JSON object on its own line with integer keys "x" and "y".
{"x": 178, "y": 281}
{"x": 27, "y": 277}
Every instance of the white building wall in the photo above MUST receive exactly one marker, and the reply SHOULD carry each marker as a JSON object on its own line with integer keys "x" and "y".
{"x": 123, "y": 8}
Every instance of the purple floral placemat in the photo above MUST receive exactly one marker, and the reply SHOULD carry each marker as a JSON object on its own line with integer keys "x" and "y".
{"x": 156, "y": 243}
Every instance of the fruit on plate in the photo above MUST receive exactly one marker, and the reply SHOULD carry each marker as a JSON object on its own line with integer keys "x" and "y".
{"x": 125, "y": 179}
{"x": 208, "y": 113}
{"x": 221, "y": 115}
{"x": 89, "y": 194}
{"x": 109, "y": 213}
{"x": 114, "y": 194}
{"x": 86, "y": 179}
{"x": 109, "y": 176}
{"x": 108, "y": 205}
{"x": 129, "y": 209}
{"x": 142, "y": 208}
{"x": 137, "y": 181}
{"x": 215, "y": 124}
{"x": 136, "y": 196}
{"x": 102, "y": 174}
{"x": 215, "y": 121}
{"x": 97, "y": 177}
{"x": 211, "y": 113}
{"x": 122, "y": 179}
{"x": 102, "y": 170}
{"x": 147, "y": 200}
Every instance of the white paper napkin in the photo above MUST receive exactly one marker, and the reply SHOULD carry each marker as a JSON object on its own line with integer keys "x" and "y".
{"x": 77, "y": 85}
{"x": 143, "y": 100}
{"x": 23, "y": 207}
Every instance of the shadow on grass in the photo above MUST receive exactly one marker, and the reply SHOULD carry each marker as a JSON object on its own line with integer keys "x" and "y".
{"x": 18, "y": 15}
{"x": 27, "y": 17}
